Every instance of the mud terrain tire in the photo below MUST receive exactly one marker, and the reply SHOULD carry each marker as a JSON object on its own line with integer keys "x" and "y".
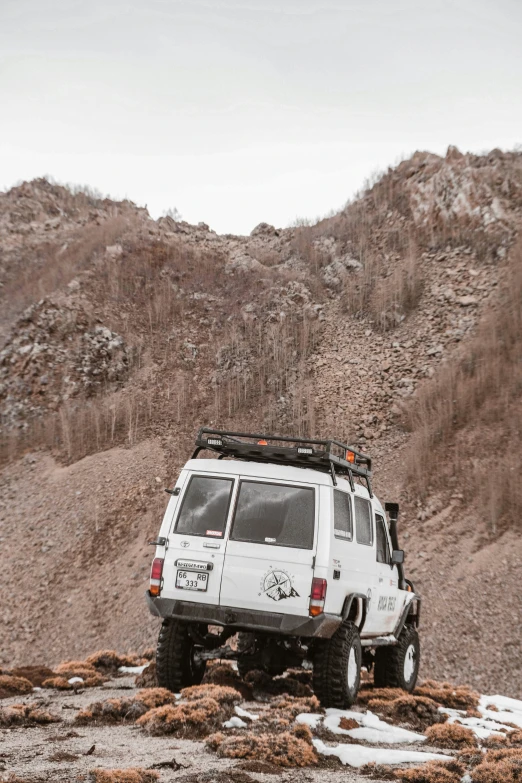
{"x": 398, "y": 666}
{"x": 176, "y": 667}
{"x": 337, "y": 667}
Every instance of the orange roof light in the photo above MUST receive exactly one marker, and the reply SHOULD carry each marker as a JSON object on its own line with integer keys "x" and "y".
{"x": 262, "y": 443}
{"x": 350, "y": 456}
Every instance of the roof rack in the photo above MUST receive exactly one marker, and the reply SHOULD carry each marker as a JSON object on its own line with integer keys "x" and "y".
{"x": 330, "y": 456}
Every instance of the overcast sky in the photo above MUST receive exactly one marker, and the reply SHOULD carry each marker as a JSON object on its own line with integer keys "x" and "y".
{"x": 238, "y": 111}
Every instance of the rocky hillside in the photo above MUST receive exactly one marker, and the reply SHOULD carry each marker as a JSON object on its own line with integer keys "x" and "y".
{"x": 121, "y": 335}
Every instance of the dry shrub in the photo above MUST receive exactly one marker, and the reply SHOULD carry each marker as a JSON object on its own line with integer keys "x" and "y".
{"x": 348, "y": 723}
{"x": 217, "y": 776}
{"x": 458, "y": 697}
{"x": 287, "y": 749}
{"x": 109, "y": 661}
{"x": 451, "y": 735}
{"x": 499, "y": 766}
{"x": 149, "y": 653}
{"x": 61, "y": 683}
{"x": 120, "y": 710}
{"x": 189, "y": 719}
{"x": 383, "y": 694}
{"x": 223, "y": 674}
{"x": 287, "y": 708}
{"x": 13, "y": 686}
{"x": 418, "y": 711}
{"x": 76, "y": 669}
{"x": 131, "y": 775}
{"x": 25, "y": 715}
{"x": 432, "y": 772}
{"x": 260, "y": 767}
{"x": 148, "y": 678}
{"x": 379, "y": 771}
{"x": 35, "y": 674}
{"x": 219, "y": 693}
{"x": 261, "y": 682}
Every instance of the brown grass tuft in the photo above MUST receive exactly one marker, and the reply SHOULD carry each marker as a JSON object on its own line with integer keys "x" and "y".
{"x": 499, "y": 766}
{"x": 220, "y": 693}
{"x": 451, "y": 735}
{"x": 109, "y": 661}
{"x": 459, "y": 697}
{"x": 348, "y": 723}
{"x": 148, "y": 678}
{"x": 14, "y": 686}
{"x": 262, "y": 682}
{"x": 192, "y": 719}
{"x": 25, "y": 715}
{"x": 380, "y": 771}
{"x": 383, "y": 694}
{"x": 287, "y": 749}
{"x": 418, "y": 711}
{"x": 223, "y": 674}
{"x": 131, "y": 775}
{"x": 432, "y": 772}
{"x": 121, "y": 710}
{"x": 260, "y": 767}
{"x": 35, "y": 674}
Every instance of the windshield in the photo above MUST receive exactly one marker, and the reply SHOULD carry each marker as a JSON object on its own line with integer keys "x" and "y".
{"x": 277, "y": 514}
{"x": 205, "y": 505}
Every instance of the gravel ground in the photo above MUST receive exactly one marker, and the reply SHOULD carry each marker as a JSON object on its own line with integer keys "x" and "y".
{"x": 28, "y": 752}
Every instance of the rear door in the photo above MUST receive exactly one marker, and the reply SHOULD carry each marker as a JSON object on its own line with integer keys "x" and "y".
{"x": 271, "y": 546}
{"x": 196, "y": 543}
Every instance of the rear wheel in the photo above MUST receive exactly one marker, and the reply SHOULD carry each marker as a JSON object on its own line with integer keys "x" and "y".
{"x": 337, "y": 667}
{"x": 177, "y": 662}
{"x": 398, "y": 666}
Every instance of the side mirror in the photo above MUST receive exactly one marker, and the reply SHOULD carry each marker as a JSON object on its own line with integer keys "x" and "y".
{"x": 398, "y": 557}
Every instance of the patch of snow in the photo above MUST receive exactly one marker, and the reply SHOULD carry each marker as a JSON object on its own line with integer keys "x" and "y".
{"x": 36, "y": 689}
{"x": 235, "y": 723}
{"x": 244, "y": 714}
{"x": 310, "y": 719}
{"x": 74, "y": 680}
{"x": 358, "y": 755}
{"x": 371, "y": 728}
{"x": 133, "y": 669}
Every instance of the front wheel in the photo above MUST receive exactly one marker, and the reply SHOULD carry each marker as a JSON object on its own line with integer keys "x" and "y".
{"x": 398, "y": 666}
{"x": 177, "y": 662}
{"x": 337, "y": 667}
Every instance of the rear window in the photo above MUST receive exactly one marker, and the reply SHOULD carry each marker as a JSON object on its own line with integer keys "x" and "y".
{"x": 276, "y": 514}
{"x": 205, "y": 505}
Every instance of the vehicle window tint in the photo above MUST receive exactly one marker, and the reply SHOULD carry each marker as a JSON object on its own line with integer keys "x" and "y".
{"x": 275, "y": 514}
{"x": 381, "y": 541}
{"x": 342, "y": 515}
{"x": 205, "y": 507}
{"x": 363, "y": 520}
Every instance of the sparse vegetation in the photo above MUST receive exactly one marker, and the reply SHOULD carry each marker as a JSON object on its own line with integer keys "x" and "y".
{"x": 286, "y": 749}
{"x": 131, "y": 775}
{"x": 120, "y": 710}
{"x": 451, "y": 735}
{"x": 14, "y": 686}
{"x": 25, "y": 715}
{"x": 459, "y": 697}
{"x": 418, "y": 711}
{"x": 192, "y": 719}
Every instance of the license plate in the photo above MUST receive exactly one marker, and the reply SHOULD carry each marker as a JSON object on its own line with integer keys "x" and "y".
{"x": 191, "y": 580}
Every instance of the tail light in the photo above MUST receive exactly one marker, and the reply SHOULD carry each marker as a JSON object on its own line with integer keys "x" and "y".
{"x": 317, "y": 596}
{"x": 155, "y": 576}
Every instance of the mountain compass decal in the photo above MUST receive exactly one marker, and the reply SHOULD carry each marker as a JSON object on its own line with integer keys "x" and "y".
{"x": 277, "y": 584}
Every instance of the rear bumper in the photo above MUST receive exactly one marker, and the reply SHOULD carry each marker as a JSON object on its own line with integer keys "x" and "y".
{"x": 322, "y": 627}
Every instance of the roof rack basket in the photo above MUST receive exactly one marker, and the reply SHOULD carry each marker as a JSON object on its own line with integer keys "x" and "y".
{"x": 330, "y": 456}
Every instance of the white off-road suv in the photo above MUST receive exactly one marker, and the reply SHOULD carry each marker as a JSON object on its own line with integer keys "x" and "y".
{"x": 282, "y": 541}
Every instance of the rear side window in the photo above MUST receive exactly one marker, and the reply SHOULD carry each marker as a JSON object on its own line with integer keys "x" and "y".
{"x": 382, "y": 550}
{"x": 342, "y": 515}
{"x": 363, "y": 520}
{"x": 276, "y": 514}
{"x": 205, "y": 506}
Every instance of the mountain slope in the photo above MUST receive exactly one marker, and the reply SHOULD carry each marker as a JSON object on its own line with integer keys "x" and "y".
{"x": 122, "y": 335}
